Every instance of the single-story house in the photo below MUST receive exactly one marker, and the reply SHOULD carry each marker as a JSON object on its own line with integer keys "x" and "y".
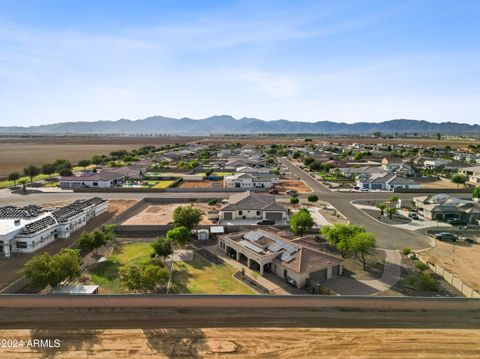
{"x": 267, "y": 252}
{"x": 391, "y": 164}
{"x": 473, "y": 174}
{"x": 104, "y": 179}
{"x": 385, "y": 182}
{"x": 250, "y": 180}
{"x": 27, "y": 229}
{"x": 253, "y": 205}
{"x": 442, "y": 207}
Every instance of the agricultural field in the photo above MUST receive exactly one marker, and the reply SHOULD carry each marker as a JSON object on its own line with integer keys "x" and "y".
{"x": 201, "y": 276}
{"x": 16, "y": 153}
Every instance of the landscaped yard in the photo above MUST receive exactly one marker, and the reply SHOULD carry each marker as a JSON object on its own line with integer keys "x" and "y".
{"x": 163, "y": 184}
{"x": 107, "y": 274}
{"x": 200, "y": 276}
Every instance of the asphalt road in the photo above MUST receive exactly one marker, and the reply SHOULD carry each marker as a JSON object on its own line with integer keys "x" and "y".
{"x": 388, "y": 237}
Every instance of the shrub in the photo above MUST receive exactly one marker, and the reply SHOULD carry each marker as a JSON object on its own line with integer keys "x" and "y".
{"x": 406, "y": 251}
{"x": 312, "y": 198}
{"x": 427, "y": 282}
{"x": 410, "y": 280}
{"x": 213, "y": 202}
{"x": 294, "y": 200}
{"x": 422, "y": 267}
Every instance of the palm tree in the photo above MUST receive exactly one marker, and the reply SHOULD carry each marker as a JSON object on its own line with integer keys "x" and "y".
{"x": 14, "y": 176}
{"x": 391, "y": 211}
{"x": 31, "y": 171}
{"x": 381, "y": 206}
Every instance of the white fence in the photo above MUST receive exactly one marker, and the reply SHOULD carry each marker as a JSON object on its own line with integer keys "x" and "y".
{"x": 452, "y": 279}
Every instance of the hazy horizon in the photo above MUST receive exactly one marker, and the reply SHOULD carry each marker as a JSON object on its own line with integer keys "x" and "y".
{"x": 369, "y": 61}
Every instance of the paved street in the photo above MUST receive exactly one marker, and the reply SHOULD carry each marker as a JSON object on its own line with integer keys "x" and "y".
{"x": 388, "y": 237}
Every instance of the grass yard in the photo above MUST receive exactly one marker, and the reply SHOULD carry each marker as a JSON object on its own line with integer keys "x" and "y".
{"x": 200, "y": 276}
{"x": 223, "y": 174}
{"x": 107, "y": 274}
{"x": 163, "y": 184}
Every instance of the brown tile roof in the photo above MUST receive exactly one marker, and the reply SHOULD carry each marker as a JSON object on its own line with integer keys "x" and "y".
{"x": 309, "y": 260}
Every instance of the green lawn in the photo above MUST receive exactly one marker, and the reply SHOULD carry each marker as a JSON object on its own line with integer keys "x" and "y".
{"x": 223, "y": 174}
{"x": 200, "y": 276}
{"x": 107, "y": 274}
{"x": 163, "y": 184}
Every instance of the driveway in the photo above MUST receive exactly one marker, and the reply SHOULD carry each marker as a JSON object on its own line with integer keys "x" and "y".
{"x": 352, "y": 286}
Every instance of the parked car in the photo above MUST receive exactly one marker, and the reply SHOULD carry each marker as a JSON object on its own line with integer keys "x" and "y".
{"x": 291, "y": 282}
{"x": 273, "y": 191}
{"x": 456, "y": 222}
{"x": 364, "y": 190}
{"x": 292, "y": 192}
{"x": 266, "y": 222}
{"x": 446, "y": 236}
{"x": 414, "y": 216}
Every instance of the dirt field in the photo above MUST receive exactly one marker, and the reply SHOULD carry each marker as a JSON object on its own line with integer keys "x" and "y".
{"x": 163, "y": 214}
{"x": 298, "y": 186}
{"x": 200, "y": 184}
{"x": 442, "y": 184}
{"x": 16, "y": 153}
{"x": 249, "y": 343}
{"x": 458, "y": 258}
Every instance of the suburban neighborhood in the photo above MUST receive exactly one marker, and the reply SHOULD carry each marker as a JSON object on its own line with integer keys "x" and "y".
{"x": 325, "y": 218}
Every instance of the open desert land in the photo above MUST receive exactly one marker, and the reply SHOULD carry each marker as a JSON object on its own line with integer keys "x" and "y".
{"x": 16, "y": 153}
{"x": 200, "y": 184}
{"x": 161, "y": 214}
{"x": 294, "y": 185}
{"x": 249, "y": 343}
{"x": 459, "y": 258}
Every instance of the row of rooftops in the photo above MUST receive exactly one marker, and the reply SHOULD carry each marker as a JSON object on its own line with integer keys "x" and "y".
{"x": 250, "y": 200}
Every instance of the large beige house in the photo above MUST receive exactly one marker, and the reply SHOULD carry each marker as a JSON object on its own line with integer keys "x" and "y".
{"x": 266, "y": 251}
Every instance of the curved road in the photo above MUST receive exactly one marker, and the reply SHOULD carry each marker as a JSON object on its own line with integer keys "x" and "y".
{"x": 388, "y": 237}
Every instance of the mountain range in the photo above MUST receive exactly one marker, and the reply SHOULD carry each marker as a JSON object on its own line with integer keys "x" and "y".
{"x": 225, "y": 124}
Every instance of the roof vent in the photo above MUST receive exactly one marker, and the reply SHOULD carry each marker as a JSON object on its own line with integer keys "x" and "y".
{"x": 16, "y": 222}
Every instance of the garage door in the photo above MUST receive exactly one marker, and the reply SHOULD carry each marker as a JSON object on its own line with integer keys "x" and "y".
{"x": 227, "y": 215}
{"x": 274, "y": 216}
{"x": 319, "y": 276}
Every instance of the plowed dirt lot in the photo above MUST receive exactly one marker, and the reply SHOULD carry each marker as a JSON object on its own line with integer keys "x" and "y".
{"x": 248, "y": 343}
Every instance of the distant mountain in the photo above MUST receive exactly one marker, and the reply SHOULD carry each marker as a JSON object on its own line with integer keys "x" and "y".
{"x": 228, "y": 125}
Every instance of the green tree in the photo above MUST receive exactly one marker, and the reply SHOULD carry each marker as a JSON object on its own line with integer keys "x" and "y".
{"x": 45, "y": 270}
{"x": 14, "y": 176}
{"x": 394, "y": 199}
{"x": 476, "y": 192}
{"x": 312, "y": 198}
{"x": 31, "y": 171}
{"x": 65, "y": 172}
{"x": 391, "y": 211}
{"x": 187, "y": 216}
{"x": 381, "y": 206}
{"x": 358, "y": 156}
{"x": 339, "y": 235}
{"x": 438, "y": 136}
{"x": 294, "y": 200}
{"x": 301, "y": 221}
{"x": 84, "y": 164}
{"x": 162, "y": 247}
{"x": 96, "y": 239}
{"x": 362, "y": 244}
{"x": 48, "y": 169}
{"x": 179, "y": 235}
{"x": 459, "y": 179}
{"x": 146, "y": 277}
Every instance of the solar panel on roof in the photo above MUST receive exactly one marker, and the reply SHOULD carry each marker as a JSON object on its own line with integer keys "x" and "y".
{"x": 285, "y": 257}
{"x": 251, "y": 246}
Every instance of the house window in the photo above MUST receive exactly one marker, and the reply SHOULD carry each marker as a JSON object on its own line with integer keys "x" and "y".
{"x": 258, "y": 213}
{"x": 240, "y": 213}
{"x": 21, "y": 244}
{"x": 95, "y": 184}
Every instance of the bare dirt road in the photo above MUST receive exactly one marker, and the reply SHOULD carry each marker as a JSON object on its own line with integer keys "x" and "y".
{"x": 248, "y": 343}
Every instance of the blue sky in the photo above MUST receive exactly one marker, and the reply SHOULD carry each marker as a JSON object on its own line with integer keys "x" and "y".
{"x": 299, "y": 60}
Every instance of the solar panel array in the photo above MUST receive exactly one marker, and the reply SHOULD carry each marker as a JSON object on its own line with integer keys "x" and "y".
{"x": 279, "y": 244}
{"x": 251, "y": 246}
{"x": 39, "y": 225}
{"x": 286, "y": 257}
{"x": 30, "y": 211}
{"x": 62, "y": 214}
